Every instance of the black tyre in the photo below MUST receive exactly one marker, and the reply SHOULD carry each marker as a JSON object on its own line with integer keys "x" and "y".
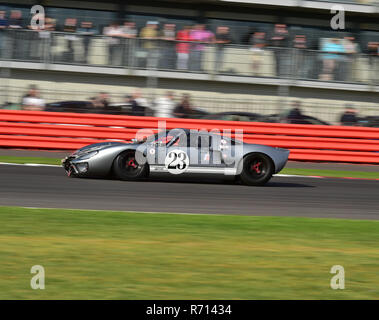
{"x": 257, "y": 169}
{"x": 126, "y": 167}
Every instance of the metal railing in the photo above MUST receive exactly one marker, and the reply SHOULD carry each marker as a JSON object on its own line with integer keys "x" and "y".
{"x": 233, "y": 60}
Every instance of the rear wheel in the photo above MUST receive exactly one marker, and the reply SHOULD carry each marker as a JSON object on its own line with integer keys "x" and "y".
{"x": 126, "y": 167}
{"x": 257, "y": 169}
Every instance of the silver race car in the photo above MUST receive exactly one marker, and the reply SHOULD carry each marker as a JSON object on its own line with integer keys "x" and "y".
{"x": 178, "y": 151}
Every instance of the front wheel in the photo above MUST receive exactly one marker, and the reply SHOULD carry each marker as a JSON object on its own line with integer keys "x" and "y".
{"x": 126, "y": 167}
{"x": 257, "y": 169}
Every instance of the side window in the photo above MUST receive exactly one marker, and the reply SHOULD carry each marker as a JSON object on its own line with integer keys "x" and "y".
{"x": 204, "y": 141}
{"x": 199, "y": 141}
{"x": 181, "y": 141}
{"x": 194, "y": 141}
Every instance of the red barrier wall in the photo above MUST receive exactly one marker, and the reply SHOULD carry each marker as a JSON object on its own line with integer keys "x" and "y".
{"x": 69, "y": 131}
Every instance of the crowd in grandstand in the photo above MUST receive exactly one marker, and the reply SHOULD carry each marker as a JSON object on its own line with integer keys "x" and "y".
{"x": 170, "y": 46}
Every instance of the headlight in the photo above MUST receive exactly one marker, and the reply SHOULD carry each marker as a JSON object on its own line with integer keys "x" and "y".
{"x": 89, "y": 155}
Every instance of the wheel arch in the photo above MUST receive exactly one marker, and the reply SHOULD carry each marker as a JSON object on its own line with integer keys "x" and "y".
{"x": 239, "y": 167}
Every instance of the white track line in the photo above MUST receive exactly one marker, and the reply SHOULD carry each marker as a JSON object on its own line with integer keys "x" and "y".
{"x": 296, "y": 176}
{"x": 29, "y": 164}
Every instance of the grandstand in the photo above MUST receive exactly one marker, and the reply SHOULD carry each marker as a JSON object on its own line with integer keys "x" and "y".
{"x": 74, "y": 58}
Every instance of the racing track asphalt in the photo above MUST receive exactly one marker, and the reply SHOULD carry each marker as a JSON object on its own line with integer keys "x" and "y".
{"x": 48, "y": 187}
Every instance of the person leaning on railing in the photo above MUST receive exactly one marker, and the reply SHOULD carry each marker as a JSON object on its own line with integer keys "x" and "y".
{"x": 37, "y": 40}
{"x": 279, "y": 42}
{"x": 149, "y": 36}
{"x": 222, "y": 39}
{"x": 183, "y": 48}
{"x": 86, "y": 31}
{"x": 129, "y": 33}
{"x": 167, "y": 57}
{"x": 114, "y": 33}
{"x": 300, "y": 61}
{"x": 373, "y": 54}
{"x": 332, "y": 53}
{"x": 203, "y": 36}
{"x": 15, "y": 44}
{"x": 349, "y": 59}
{"x": 3, "y": 26}
{"x": 257, "y": 49}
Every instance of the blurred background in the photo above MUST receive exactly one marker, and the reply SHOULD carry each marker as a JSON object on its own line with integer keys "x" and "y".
{"x": 247, "y": 60}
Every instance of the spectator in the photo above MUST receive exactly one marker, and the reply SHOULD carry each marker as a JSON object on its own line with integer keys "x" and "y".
{"x": 70, "y": 27}
{"x": 349, "y": 117}
{"x": 183, "y": 48}
{"x": 50, "y": 24}
{"x": 103, "y": 100}
{"x": 139, "y": 104}
{"x": 295, "y": 115}
{"x": 126, "y": 107}
{"x": 129, "y": 32}
{"x": 114, "y": 32}
{"x": 184, "y": 109}
{"x": 165, "y": 106}
{"x": 258, "y": 43}
{"x": 149, "y": 34}
{"x": 3, "y": 20}
{"x": 300, "y": 56}
{"x": 101, "y": 103}
{"x": 37, "y": 45}
{"x": 15, "y": 42}
{"x": 93, "y": 101}
{"x": 279, "y": 41}
{"x": 373, "y": 52}
{"x": 199, "y": 34}
{"x": 3, "y": 26}
{"x": 86, "y": 32}
{"x": 167, "y": 48}
{"x": 15, "y": 20}
{"x": 332, "y": 50}
{"x": 32, "y": 101}
{"x": 246, "y": 38}
{"x": 351, "y": 48}
{"x": 222, "y": 39}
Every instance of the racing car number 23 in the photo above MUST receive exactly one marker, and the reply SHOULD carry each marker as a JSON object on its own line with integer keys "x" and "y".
{"x": 177, "y": 161}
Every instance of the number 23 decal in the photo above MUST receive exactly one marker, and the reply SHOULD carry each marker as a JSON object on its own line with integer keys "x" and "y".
{"x": 177, "y": 161}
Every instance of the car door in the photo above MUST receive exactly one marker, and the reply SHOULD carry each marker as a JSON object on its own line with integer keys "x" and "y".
{"x": 206, "y": 147}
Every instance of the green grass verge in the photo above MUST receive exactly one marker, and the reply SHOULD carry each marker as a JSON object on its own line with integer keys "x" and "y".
{"x": 331, "y": 173}
{"x": 118, "y": 255}
{"x": 36, "y": 160}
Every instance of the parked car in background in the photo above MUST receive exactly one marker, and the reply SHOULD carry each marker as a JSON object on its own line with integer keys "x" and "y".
{"x": 126, "y": 109}
{"x": 70, "y": 106}
{"x": 370, "y": 121}
{"x": 304, "y": 119}
{"x": 234, "y": 116}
